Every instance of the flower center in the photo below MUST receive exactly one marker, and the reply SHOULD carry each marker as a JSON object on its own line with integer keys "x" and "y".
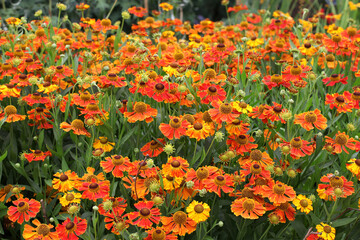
{"x": 246, "y": 192}
{"x": 340, "y": 99}
{"x": 85, "y": 96}
{"x": 341, "y": 139}
{"x": 178, "y": 56}
{"x": 69, "y": 197}
{"x": 225, "y": 108}
{"x": 198, "y": 126}
{"x": 175, "y": 164}
{"x": 180, "y": 217}
{"x": 140, "y": 107}
{"x": 279, "y": 188}
{"x": 356, "y": 96}
{"x": 36, "y": 96}
{"x": 295, "y": 70}
{"x": 220, "y": 180}
{"x": 106, "y": 22}
{"x": 202, "y": 173}
{"x": 248, "y": 204}
{"x": 145, "y": 212}
{"x": 335, "y": 77}
{"x": 336, "y": 38}
{"x": 154, "y": 145}
{"x": 93, "y": 187}
{"x": 243, "y": 105}
{"x": 69, "y": 226}
{"x": 310, "y": 117}
{"x": 149, "y": 20}
{"x": 336, "y": 182}
{"x": 241, "y": 139}
{"x": 304, "y": 203}
{"x": 158, "y": 235}
{"x": 6, "y": 66}
{"x": 43, "y": 229}
{"x": 296, "y": 143}
{"x": 277, "y": 109}
{"x": 276, "y": 78}
{"x": 255, "y": 169}
{"x": 159, "y": 87}
{"x": 37, "y": 153}
{"x": 256, "y": 155}
{"x": 92, "y": 107}
{"x": 327, "y": 229}
{"x": 188, "y": 118}
{"x": 59, "y": 69}
{"x": 351, "y": 31}
{"x": 117, "y": 160}
{"x": 111, "y": 76}
{"x": 357, "y": 162}
{"x": 63, "y": 177}
{"x": 23, "y": 207}
{"x": 209, "y": 73}
{"x": 9, "y": 110}
{"x": 175, "y": 123}
{"x": 77, "y": 124}
{"x": 199, "y": 208}
{"x": 212, "y": 90}
{"x": 236, "y": 122}
{"x": 307, "y": 45}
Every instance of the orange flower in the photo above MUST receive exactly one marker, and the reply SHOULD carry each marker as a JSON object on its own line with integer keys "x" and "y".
{"x": 256, "y": 156}
{"x": 298, "y": 147}
{"x": 285, "y": 210}
{"x": 146, "y": 216}
{"x": 137, "y": 11}
{"x": 340, "y": 142}
{"x": 343, "y": 103}
{"x": 153, "y": 148}
{"x": 200, "y": 175}
{"x": 219, "y": 182}
{"x": 15, "y": 191}
{"x": 95, "y": 189}
{"x": 335, "y": 186}
{"x": 77, "y": 126}
{"x": 211, "y": 93}
{"x": 37, "y": 155}
{"x": 278, "y": 192}
{"x": 179, "y": 223}
{"x": 65, "y": 181}
{"x": 160, "y": 233}
{"x": 103, "y": 143}
{"x": 118, "y": 206}
{"x": 42, "y": 231}
{"x": 175, "y": 167}
{"x": 116, "y": 164}
{"x": 199, "y": 130}
{"x": 175, "y": 129}
{"x": 353, "y": 165}
{"x": 247, "y": 208}
{"x": 142, "y": 111}
{"x": 10, "y": 112}
{"x": 237, "y": 127}
{"x": 241, "y": 143}
{"x": 71, "y": 230}
{"x": 222, "y": 112}
{"x": 308, "y": 120}
{"x": 24, "y": 210}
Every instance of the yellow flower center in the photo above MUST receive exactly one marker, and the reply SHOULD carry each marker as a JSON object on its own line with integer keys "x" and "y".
{"x": 304, "y": 203}
{"x": 85, "y": 96}
{"x": 256, "y": 155}
{"x": 276, "y": 78}
{"x": 180, "y": 217}
{"x": 117, "y": 160}
{"x": 255, "y": 169}
{"x": 92, "y": 107}
{"x": 220, "y": 180}
{"x": 341, "y": 139}
{"x": 296, "y": 143}
{"x": 336, "y": 38}
{"x": 225, "y": 108}
{"x": 59, "y": 69}
{"x": 140, "y": 107}
{"x": 149, "y": 20}
{"x": 77, "y": 124}
{"x": 158, "y": 235}
{"x": 9, "y": 110}
{"x": 249, "y": 204}
{"x": 175, "y": 123}
{"x": 310, "y": 117}
{"x": 241, "y": 139}
{"x": 279, "y": 188}
{"x": 189, "y": 118}
{"x": 23, "y": 207}
{"x": 106, "y": 22}
{"x": 295, "y": 70}
{"x": 209, "y": 73}
{"x": 202, "y": 173}
{"x": 327, "y": 229}
{"x": 43, "y": 229}
{"x": 104, "y": 140}
{"x": 199, "y": 208}
{"x": 335, "y": 77}
{"x": 336, "y": 182}
{"x": 178, "y": 56}
{"x": 69, "y": 197}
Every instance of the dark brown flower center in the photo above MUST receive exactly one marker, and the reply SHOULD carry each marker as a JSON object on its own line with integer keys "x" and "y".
{"x": 256, "y": 155}
{"x": 140, "y": 107}
{"x": 202, "y": 173}
{"x": 199, "y": 208}
{"x": 296, "y": 143}
{"x": 279, "y": 188}
{"x": 180, "y": 218}
{"x": 63, "y": 177}
{"x": 248, "y": 204}
{"x": 225, "y": 108}
{"x": 69, "y": 226}
{"x": 341, "y": 139}
{"x": 145, "y": 212}
{"x": 310, "y": 117}
{"x": 304, "y": 203}
{"x": 198, "y": 126}
{"x": 175, "y": 123}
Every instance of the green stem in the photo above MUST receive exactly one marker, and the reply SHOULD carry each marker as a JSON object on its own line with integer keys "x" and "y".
{"x": 112, "y": 8}
{"x": 265, "y": 233}
{"x": 332, "y": 210}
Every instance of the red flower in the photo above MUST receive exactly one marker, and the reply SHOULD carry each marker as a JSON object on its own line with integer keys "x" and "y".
{"x": 298, "y": 147}
{"x": 137, "y": 11}
{"x": 222, "y": 112}
{"x": 153, "y": 148}
{"x": 24, "y": 210}
{"x": 343, "y": 103}
{"x": 241, "y": 143}
{"x": 37, "y": 155}
{"x": 335, "y": 78}
{"x": 211, "y": 93}
{"x": 116, "y": 164}
{"x": 95, "y": 189}
{"x": 278, "y": 192}
{"x": 71, "y": 230}
{"x": 219, "y": 182}
{"x": 340, "y": 142}
{"x": 146, "y": 216}
{"x": 337, "y": 186}
{"x": 175, "y": 129}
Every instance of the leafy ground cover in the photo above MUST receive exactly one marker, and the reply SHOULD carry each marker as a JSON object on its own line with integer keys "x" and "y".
{"x": 241, "y": 129}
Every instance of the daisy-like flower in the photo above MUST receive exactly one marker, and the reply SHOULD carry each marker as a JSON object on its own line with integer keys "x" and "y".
{"x": 223, "y": 112}
{"x": 237, "y": 127}
{"x": 179, "y": 223}
{"x": 334, "y": 186}
{"x": 103, "y": 143}
{"x": 353, "y": 165}
{"x": 298, "y": 147}
{"x": 242, "y": 107}
{"x": 326, "y": 231}
{"x": 10, "y": 112}
{"x": 146, "y": 216}
{"x": 335, "y": 78}
{"x": 112, "y": 205}
{"x": 241, "y": 143}
{"x": 273, "y": 113}
{"x": 303, "y": 204}
{"x": 342, "y": 103}
{"x": 69, "y": 198}
{"x": 210, "y": 93}
{"x": 278, "y": 192}
{"x": 248, "y": 208}
{"x": 95, "y": 189}
{"x": 340, "y": 142}
{"x": 160, "y": 233}
{"x": 41, "y": 231}
{"x": 219, "y": 183}
{"x": 37, "y": 155}
{"x": 13, "y": 190}
{"x": 175, "y": 129}
{"x": 198, "y": 211}
{"x": 308, "y": 120}
{"x": 142, "y": 111}
{"x": 77, "y": 127}
{"x": 256, "y": 156}
{"x": 199, "y": 130}
{"x": 71, "y": 230}
{"x": 153, "y": 148}
{"x": 137, "y": 11}
{"x": 285, "y": 210}
{"x": 116, "y": 164}
{"x": 24, "y": 210}
{"x": 175, "y": 167}
{"x": 65, "y": 181}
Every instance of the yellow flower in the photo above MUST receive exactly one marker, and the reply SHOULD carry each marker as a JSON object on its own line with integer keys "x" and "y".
{"x": 326, "y": 232}
{"x": 13, "y": 21}
{"x": 255, "y": 42}
{"x": 353, "y": 6}
{"x": 171, "y": 183}
{"x": 166, "y": 6}
{"x": 70, "y": 197}
{"x": 103, "y": 143}
{"x": 353, "y": 166}
{"x": 242, "y": 107}
{"x": 303, "y": 204}
{"x": 198, "y": 211}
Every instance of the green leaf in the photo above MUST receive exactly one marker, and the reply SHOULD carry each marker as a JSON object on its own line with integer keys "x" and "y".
{"x": 342, "y": 222}
{"x": 2, "y": 157}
